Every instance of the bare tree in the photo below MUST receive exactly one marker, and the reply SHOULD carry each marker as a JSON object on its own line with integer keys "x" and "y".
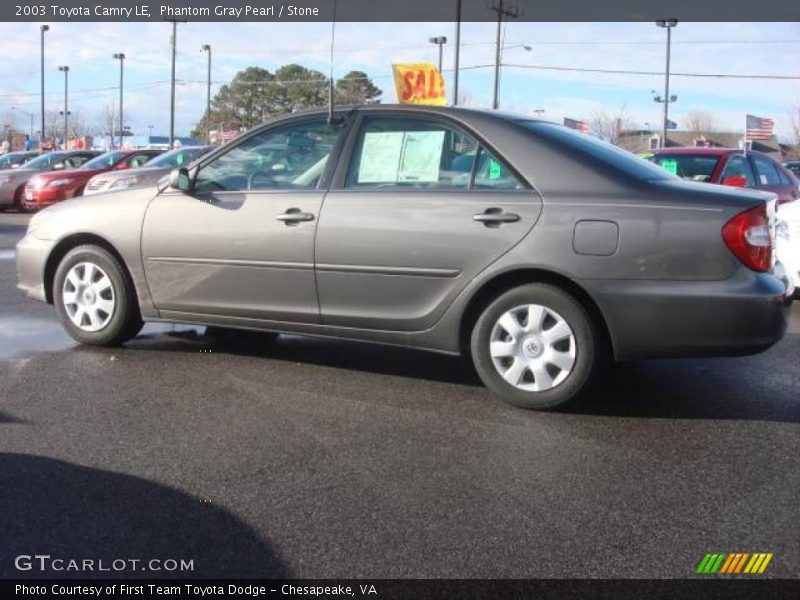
{"x": 701, "y": 122}
{"x": 610, "y": 126}
{"x": 53, "y": 123}
{"x": 108, "y": 120}
{"x": 78, "y": 126}
{"x": 794, "y": 124}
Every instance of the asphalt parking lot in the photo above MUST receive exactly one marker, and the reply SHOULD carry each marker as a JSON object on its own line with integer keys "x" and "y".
{"x": 303, "y": 457}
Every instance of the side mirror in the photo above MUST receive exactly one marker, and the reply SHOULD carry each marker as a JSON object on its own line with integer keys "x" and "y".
{"x": 179, "y": 179}
{"x": 735, "y": 181}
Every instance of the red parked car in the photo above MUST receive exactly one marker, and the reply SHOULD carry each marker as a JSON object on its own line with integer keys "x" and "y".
{"x": 54, "y": 186}
{"x": 729, "y": 167}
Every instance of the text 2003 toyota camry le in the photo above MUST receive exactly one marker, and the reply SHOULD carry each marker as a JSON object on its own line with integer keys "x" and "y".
{"x": 537, "y": 250}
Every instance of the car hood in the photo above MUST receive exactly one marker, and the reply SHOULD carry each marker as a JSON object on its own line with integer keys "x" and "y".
{"x": 92, "y": 214}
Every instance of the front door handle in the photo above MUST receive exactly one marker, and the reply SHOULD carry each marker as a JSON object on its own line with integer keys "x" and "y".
{"x": 494, "y": 217}
{"x": 293, "y": 216}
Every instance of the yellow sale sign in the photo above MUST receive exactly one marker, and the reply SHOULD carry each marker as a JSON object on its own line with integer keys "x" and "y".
{"x": 419, "y": 83}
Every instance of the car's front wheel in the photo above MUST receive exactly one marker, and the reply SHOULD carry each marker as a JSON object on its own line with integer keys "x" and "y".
{"x": 535, "y": 346}
{"x": 94, "y": 297}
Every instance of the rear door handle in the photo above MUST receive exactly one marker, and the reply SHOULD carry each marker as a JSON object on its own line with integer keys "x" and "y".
{"x": 493, "y": 217}
{"x": 293, "y": 216}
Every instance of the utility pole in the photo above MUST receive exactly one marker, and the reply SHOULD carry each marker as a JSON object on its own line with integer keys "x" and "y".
{"x": 174, "y": 42}
{"x": 65, "y": 70}
{"x": 667, "y": 24}
{"x": 121, "y": 58}
{"x": 502, "y": 11}
{"x": 207, "y": 48}
{"x": 43, "y": 29}
{"x": 457, "y": 52}
{"x": 439, "y": 41}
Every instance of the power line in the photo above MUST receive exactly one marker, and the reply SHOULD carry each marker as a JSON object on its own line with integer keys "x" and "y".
{"x": 626, "y": 72}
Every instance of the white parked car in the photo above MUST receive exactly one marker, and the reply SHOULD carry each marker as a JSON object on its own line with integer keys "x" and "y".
{"x": 788, "y": 241}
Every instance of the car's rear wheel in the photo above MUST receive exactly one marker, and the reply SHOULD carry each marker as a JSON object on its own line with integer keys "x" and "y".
{"x": 94, "y": 297}
{"x": 535, "y": 346}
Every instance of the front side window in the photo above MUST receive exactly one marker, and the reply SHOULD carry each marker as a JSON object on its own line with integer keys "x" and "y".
{"x": 104, "y": 161}
{"x": 767, "y": 174}
{"x": 292, "y": 157}
{"x": 738, "y": 166}
{"x": 399, "y": 152}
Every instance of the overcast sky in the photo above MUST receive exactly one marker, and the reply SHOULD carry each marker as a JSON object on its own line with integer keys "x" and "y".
{"x": 713, "y": 48}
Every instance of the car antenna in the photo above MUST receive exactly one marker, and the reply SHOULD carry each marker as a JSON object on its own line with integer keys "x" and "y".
{"x": 331, "y": 119}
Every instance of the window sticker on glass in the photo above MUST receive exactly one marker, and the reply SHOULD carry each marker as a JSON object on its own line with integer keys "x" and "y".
{"x": 670, "y": 165}
{"x": 495, "y": 170}
{"x": 422, "y": 156}
{"x": 401, "y": 157}
{"x": 763, "y": 178}
{"x": 380, "y": 157}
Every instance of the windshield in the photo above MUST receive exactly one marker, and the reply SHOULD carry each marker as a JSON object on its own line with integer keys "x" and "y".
{"x": 622, "y": 160}
{"x": 11, "y": 159}
{"x": 695, "y": 167}
{"x": 109, "y": 159}
{"x": 177, "y": 158}
{"x": 45, "y": 160}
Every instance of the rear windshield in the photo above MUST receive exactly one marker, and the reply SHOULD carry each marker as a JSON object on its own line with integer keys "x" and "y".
{"x": 695, "y": 167}
{"x": 45, "y": 160}
{"x": 617, "y": 158}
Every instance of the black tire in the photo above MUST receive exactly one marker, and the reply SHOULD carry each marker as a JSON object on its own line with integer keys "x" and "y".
{"x": 125, "y": 320}
{"x": 18, "y": 200}
{"x": 587, "y": 343}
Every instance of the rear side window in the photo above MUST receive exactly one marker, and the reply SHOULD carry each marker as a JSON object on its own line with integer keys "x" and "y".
{"x": 738, "y": 166}
{"x": 418, "y": 153}
{"x": 766, "y": 171}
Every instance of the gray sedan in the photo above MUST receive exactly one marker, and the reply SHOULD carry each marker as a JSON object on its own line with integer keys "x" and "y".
{"x": 12, "y": 181}
{"x": 149, "y": 174}
{"x": 539, "y": 251}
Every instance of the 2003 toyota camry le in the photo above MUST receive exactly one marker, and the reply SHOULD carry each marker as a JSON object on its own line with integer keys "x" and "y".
{"x": 537, "y": 250}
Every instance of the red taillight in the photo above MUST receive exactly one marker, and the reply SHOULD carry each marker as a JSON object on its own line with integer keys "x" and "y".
{"x": 749, "y": 236}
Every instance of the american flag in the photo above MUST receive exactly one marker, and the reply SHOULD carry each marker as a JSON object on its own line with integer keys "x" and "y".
{"x": 230, "y": 134}
{"x": 759, "y": 128}
{"x": 579, "y": 125}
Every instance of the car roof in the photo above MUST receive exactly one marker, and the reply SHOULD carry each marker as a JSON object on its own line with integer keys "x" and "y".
{"x": 689, "y": 150}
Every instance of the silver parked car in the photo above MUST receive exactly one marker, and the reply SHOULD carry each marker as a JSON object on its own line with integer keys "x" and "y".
{"x": 149, "y": 174}
{"x": 537, "y": 250}
{"x": 12, "y": 181}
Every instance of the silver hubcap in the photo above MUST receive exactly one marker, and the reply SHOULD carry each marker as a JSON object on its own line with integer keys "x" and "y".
{"x": 532, "y": 347}
{"x": 88, "y": 296}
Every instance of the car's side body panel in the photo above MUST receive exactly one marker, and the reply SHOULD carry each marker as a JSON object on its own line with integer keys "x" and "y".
{"x": 406, "y": 273}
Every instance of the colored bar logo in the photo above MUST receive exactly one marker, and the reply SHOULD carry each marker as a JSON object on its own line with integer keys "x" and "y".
{"x": 734, "y": 563}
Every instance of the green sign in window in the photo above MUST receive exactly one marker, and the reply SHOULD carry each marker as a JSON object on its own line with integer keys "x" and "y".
{"x": 670, "y": 165}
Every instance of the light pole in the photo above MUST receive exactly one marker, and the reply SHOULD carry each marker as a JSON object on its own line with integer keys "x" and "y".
{"x": 120, "y": 56}
{"x": 43, "y": 29}
{"x": 65, "y": 70}
{"x": 457, "y": 53}
{"x": 30, "y": 115}
{"x": 207, "y": 48}
{"x": 150, "y": 129}
{"x": 439, "y": 41}
{"x": 174, "y": 43}
{"x": 667, "y": 24}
